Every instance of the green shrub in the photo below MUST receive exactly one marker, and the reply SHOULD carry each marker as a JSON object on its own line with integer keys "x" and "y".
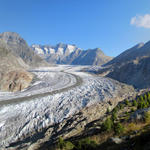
{"x": 69, "y": 145}
{"x": 115, "y": 109}
{"x": 61, "y": 143}
{"x": 107, "y": 125}
{"x": 147, "y": 104}
{"x": 127, "y": 102}
{"x": 65, "y": 145}
{"x": 121, "y": 106}
{"x": 142, "y": 104}
{"x": 148, "y": 100}
{"x": 148, "y": 96}
{"x": 135, "y": 103}
{"x": 147, "y": 117}
{"x": 145, "y": 96}
{"x": 132, "y": 110}
{"x": 85, "y": 144}
{"x": 141, "y": 98}
{"x": 114, "y": 116}
{"x": 118, "y": 128}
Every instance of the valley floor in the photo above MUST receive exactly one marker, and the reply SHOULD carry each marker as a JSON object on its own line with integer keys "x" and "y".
{"x": 57, "y": 93}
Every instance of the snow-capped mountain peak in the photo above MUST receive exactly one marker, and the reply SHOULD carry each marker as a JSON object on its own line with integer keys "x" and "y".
{"x": 59, "y": 49}
{"x": 70, "y": 54}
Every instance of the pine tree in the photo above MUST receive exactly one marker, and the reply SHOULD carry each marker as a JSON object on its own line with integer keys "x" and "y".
{"x": 108, "y": 124}
{"x": 118, "y": 128}
{"x": 148, "y": 95}
{"x": 114, "y": 116}
{"x": 145, "y": 97}
{"x": 135, "y": 103}
{"x": 127, "y": 102}
{"x": 141, "y": 98}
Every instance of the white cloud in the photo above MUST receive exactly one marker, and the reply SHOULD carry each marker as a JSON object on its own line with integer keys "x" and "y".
{"x": 141, "y": 21}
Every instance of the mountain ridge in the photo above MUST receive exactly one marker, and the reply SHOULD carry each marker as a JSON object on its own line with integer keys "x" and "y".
{"x": 70, "y": 54}
{"x": 131, "y": 66}
{"x": 19, "y": 47}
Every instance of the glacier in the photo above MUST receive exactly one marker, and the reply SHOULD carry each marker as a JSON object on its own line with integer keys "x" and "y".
{"x": 31, "y": 115}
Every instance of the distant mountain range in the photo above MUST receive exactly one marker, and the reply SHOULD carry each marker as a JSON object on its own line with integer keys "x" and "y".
{"x": 38, "y": 55}
{"x": 16, "y": 57}
{"x": 70, "y": 54}
{"x": 131, "y": 67}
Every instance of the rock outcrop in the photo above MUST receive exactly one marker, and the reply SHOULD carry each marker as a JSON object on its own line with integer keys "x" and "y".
{"x": 13, "y": 74}
{"x": 15, "y": 81}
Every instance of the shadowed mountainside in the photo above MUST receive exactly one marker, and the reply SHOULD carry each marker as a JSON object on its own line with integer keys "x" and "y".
{"x": 131, "y": 67}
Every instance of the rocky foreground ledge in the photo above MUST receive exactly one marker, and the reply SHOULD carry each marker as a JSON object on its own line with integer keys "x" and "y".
{"x": 15, "y": 80}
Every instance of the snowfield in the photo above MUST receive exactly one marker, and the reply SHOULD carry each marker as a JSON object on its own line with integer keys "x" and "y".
{"x": 19, "y": 119}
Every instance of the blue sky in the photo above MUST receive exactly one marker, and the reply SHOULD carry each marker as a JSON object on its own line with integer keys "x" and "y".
{"x": 86, "y": 23}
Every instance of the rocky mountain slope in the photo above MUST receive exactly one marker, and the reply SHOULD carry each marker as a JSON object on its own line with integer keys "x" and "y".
{"x": 13, "y": 76}
{"x": 70, "y": 54}
{"x": 131, "y": 67}
{"x": 18, "y": 46}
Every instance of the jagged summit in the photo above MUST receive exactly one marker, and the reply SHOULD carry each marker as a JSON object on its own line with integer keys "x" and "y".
{"x": 57, "y": 54}
{"x": 58, "y": 49}
{"x": 9, "y": 37}
{"x": 70, "y": 54}
{"x": 8, "y": 34}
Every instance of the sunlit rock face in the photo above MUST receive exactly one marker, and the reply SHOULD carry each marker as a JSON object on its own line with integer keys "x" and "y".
{"x": 15, "y": 81}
